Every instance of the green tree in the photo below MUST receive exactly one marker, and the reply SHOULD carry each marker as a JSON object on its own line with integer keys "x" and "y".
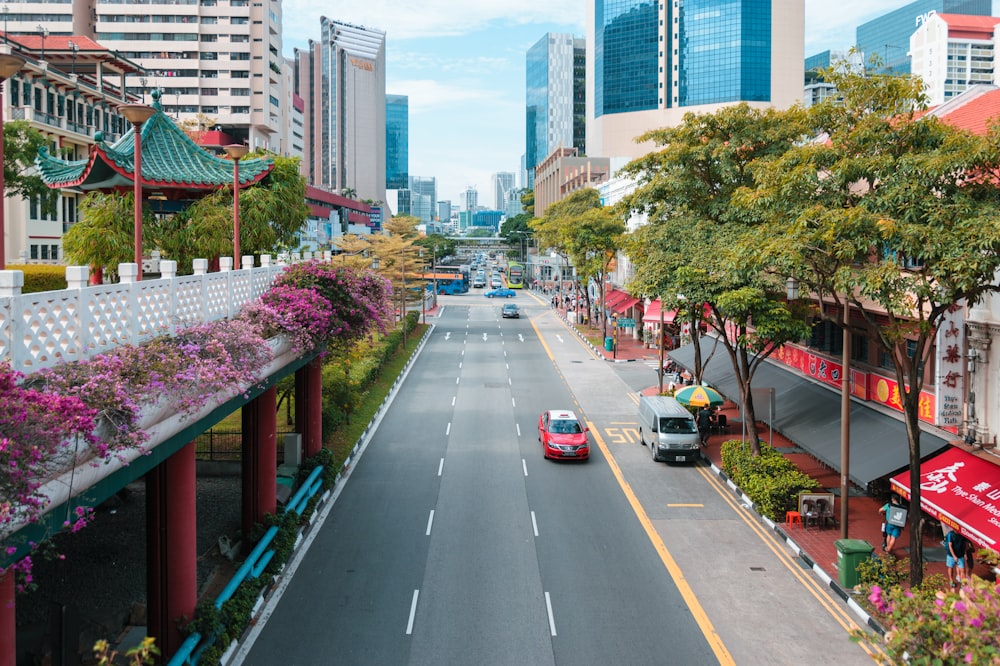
{"x": 479, "y": 232}
{"x": 586, "y": 232}
{"x": 445, "y": 247}
{"x": 894, "y": 215}
{"x": 21, "y": 144}
{"x": 104, "y": 237}
{"x": 702, "y": 251}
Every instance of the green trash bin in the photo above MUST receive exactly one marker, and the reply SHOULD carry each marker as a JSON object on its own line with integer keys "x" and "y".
{"x": 609, "y": 344}
{"x": 851, "y": 553}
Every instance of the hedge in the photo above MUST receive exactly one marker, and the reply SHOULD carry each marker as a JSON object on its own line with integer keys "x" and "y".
{"x": 771, "y": 481}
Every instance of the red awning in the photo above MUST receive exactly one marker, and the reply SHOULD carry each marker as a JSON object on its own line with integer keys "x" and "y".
{"x": 613, "y": 296}
{"x": 652, "y": 314}
{"x": 621, "y": 306}
{"x": 962, "y": 491}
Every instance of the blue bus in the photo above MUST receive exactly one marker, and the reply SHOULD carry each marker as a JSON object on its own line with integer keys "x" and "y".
{"x": 447, "y": 283}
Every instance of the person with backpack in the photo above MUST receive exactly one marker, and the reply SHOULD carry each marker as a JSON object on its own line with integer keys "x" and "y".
{"x": 955, "y": 545}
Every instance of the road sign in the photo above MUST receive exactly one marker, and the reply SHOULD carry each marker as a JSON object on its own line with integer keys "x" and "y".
{"x": 625, "y": 323}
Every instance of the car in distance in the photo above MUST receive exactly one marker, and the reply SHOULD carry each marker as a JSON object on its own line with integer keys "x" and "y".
{"x": 479, "y": 283}
{"x": 510, "y": 311}
{"x": 496, "y": 283}
{"x": 500, "y": 293}
{"x": 562, "y": 435}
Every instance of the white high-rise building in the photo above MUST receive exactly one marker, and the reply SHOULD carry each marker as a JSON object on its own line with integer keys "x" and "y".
{"x": 470, "y": 198}
{"x": 503, "y": 182}
{"x": 423, "y": 198}
{"x": 952, "y": 52}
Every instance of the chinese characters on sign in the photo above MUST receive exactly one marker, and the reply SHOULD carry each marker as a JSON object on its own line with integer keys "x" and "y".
{"x": 950, "y": 377}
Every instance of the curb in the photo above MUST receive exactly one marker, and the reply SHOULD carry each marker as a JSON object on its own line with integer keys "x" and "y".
{"x": 834, "y": 585}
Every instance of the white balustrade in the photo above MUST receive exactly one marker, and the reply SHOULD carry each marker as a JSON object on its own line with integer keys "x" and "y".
{"x": 44, "y": 329}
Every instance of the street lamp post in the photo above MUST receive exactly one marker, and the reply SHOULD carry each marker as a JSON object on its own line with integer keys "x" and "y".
{"x": 402, "y": 292}
{"x": 137, "y": 114}
{"x": 435, "y": 275}
{"x": 236, "y": 152}
{"x": 9, "y": 65}
{"x": 44, "y": 32}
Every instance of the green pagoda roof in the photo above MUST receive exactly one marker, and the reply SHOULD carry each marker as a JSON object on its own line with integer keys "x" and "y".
{"x": 171, "y": 161}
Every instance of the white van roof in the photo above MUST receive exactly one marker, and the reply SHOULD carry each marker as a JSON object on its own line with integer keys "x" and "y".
{"x": 665, "y": 405}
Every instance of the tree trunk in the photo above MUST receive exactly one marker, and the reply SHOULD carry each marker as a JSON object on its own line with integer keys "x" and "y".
{"x": 910, "y": 417}
{"x": 749, "y": 415}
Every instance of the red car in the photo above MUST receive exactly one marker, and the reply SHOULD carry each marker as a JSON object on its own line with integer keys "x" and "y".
{"x": 562, "y": 435}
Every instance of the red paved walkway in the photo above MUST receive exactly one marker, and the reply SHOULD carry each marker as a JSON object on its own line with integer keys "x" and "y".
{"x": 817, "y": 543}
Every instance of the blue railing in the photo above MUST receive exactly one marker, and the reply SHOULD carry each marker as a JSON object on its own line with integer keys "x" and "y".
{"x": 192, "y": 648}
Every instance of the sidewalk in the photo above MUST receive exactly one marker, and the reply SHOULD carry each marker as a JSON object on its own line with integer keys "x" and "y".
{"x": 815, "y": 545}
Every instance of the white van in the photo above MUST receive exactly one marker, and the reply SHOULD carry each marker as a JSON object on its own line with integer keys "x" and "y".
{"x": 673, "y": 434}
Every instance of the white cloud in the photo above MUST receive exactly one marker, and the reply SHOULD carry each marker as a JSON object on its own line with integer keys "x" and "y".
{"x": 427, "y": 95}
{"x": 430, "y": 18}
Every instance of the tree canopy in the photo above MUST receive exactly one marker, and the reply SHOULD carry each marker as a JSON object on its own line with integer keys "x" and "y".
{"x": 695, "y": 253}
{"x": 891, "y": 213}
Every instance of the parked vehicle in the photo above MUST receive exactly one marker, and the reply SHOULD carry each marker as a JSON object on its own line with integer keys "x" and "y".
{"x": 671, "y": 428}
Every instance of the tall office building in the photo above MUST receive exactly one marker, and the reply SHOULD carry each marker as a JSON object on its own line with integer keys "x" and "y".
{"x": 888, "y": 36}
{"x": 470, "y": 198}
{"x": 344, "y": 75}
{"x": 423, "y": 201}
{"x": 951, "y": 53}
{"x": 816, "y": 88}
{"x": 397, "y": 142}
{"x": 648, "y": 63}
{"x": 503, "y": 182}
{"x": 555, "y": 114}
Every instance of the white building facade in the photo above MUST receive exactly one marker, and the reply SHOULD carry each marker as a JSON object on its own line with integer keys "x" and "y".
{"x": 951, "y": 53}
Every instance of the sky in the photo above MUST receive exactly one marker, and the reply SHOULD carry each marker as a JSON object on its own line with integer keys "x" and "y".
{"x": 462, "y": 62}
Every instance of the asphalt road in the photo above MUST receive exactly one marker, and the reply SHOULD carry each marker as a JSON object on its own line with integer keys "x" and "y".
{"x": 454, "y": 542}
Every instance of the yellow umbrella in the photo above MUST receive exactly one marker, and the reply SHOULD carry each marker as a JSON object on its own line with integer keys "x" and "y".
{"x": 699, "y": 396}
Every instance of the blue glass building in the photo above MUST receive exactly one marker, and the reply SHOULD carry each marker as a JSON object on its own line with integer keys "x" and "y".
{"x": 653, "y": 61}
{"x": 888, "y": 36}
{"x": 555, "y": 97}
{"x": 397, "y": 142}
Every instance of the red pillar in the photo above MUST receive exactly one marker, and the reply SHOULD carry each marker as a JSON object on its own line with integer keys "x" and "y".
{"x": 309, "y": 406}
{"x": 171, "y": 547}
{"x": 8, "y": 620}
{"x": 260, "y": 458}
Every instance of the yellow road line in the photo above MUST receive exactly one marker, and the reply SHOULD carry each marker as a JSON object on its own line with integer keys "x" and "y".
{"x": 695, "y": 506}
{"x": 707, "y": 629}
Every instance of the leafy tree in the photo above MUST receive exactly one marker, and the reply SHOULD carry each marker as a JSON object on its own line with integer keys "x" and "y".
{"x": 528, "y": 201}
{"x": 20, "y": 148}
{"x": 892, "y": 215}
{"x": 399, "y": 259}
{"x": 445, "y": 246}
{"x": 480, "y": 232}
{"x": 588, "y": 233}
{"x": 702, "y": 252}
{"x": 515, "y": 231}
{"x": 104, "y": 237}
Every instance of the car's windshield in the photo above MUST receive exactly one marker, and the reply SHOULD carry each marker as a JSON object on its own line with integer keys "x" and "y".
{"x": 564, "y": 427}
{"x": 677, "y": 425}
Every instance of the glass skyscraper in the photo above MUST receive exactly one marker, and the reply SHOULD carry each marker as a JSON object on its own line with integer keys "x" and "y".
{"x": 888, "y": 36}
{"x": 397, "y": 142}
{"x": 555, "y": 97}
{"x": 651, "y": 61}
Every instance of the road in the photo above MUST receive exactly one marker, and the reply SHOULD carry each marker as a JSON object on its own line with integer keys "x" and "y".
{"x": 455, "y": 542}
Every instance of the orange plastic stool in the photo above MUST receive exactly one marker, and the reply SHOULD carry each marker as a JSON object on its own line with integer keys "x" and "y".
{"x": 793, "y": 518}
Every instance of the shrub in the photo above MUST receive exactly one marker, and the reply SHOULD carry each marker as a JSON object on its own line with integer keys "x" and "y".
{"x": 771, "y": 481}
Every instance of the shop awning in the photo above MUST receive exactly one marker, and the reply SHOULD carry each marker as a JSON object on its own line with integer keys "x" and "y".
{"x": 808, "y": 413}
{"x": 960, "y": 490}
{"x": 623, "y": 305}
{"x": 613, "y": 296}
{"x": 652, "y": 313}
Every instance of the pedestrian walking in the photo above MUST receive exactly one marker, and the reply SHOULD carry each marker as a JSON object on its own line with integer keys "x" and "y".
{"x": 704, "y": 424}
{"x": 892, "y": 532}
{"x": 955, "y": 545}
